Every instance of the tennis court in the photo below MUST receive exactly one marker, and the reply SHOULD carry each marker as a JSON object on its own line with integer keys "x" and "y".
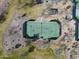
{"x": 43, "y": 29}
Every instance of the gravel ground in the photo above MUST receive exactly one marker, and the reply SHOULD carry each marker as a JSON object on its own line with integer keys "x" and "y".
{"x": 3, "y": 5}
{"x": 14, "y": 34}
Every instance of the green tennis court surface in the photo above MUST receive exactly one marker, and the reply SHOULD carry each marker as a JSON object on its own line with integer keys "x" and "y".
{"x": 43, "y": 29}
